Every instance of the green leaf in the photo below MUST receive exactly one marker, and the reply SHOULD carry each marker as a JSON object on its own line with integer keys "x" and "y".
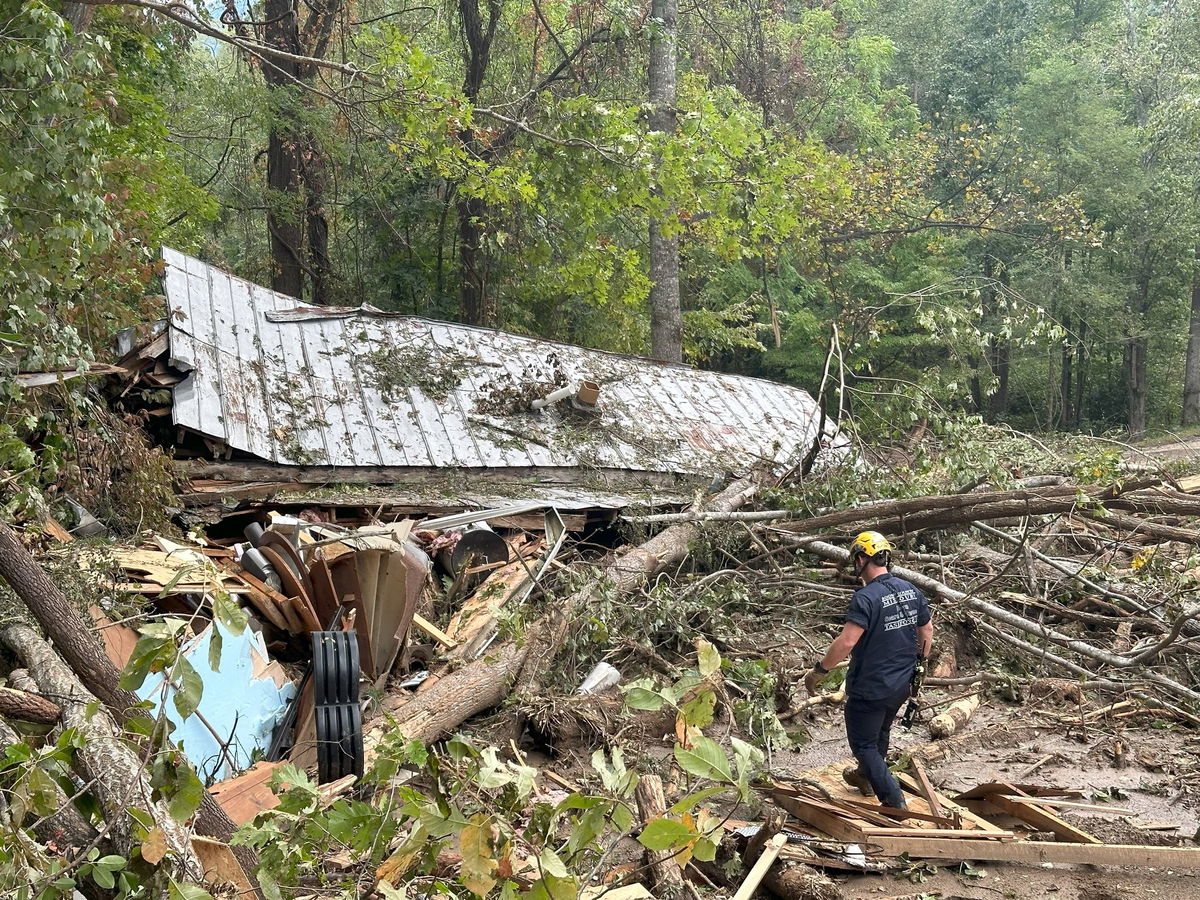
{"x": 691, "y": 801}
{"x": 550, "y": 864}
{"x": 643, "y": 694}
{"x": 176, "y": 891}
{"x": 215, "y": 644}
{"x": 699, "y": 710}
{"x": 708, "y": 658}
{"x": 704, "y": 850}
{"x": 103, "y": 877}
{"x": 189, "y": 793}
{"x": 189, "y": 688}
{"x": 666, "y": 834}
{"x": 705, "y": 759}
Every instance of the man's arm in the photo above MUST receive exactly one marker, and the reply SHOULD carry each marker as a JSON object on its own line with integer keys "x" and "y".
{"x": 925, "y": 638}
{"x": 838, "y": 650}
{"x": 843, "y": 644}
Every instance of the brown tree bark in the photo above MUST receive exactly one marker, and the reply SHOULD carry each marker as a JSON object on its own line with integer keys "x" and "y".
{"x": 666, "y": 318}
{"x": 284, "y": 221}
{"x": 119, "y": 778}
{"x": 66, "y": 826}
{"x": 668, "y": 879}
{"x": 84, "y": 653}
{"x": 27, "y": 707}
{"x": 1191, "y": 368}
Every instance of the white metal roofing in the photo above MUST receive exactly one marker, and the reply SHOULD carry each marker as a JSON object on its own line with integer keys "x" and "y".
{"x": 307, "y": 385}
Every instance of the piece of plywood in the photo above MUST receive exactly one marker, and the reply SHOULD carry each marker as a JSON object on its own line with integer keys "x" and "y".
{"x": 244, "y": 796}
{"x": 119, "y": 640}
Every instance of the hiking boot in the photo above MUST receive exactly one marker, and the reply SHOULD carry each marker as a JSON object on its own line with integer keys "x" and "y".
{"x": 857, "y": 779}
{"x": 897, "y": 802}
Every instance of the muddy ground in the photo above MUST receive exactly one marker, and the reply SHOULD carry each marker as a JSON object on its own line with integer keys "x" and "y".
{"x": 1159, "y": 782}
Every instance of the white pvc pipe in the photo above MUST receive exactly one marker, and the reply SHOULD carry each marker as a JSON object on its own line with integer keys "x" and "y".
{"x": 561, "y": 394}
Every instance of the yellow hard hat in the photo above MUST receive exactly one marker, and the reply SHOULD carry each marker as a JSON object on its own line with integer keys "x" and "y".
{"x": 870, "y": 543}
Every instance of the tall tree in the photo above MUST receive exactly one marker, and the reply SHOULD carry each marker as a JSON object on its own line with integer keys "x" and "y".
{"x": 666, "y": 316}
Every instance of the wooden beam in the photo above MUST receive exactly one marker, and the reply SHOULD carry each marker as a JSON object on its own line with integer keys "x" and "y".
{"x": 926, "y": 789}
{"x": 433, "y": 631}
{"x": 1038, "y": 852}
{"x": 1042, "y": 819}
{"x": 831, "y": 824}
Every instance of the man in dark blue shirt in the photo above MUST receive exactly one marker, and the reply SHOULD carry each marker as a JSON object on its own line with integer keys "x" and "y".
{"x": 888, "y": 628}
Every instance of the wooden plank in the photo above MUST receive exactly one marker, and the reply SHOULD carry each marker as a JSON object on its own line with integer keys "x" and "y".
{"x": 952, "y": 808}
{"x": 1080, "y": 807}
{"x": 1042, "y": 819}
{"x": 926, "y": 789}
{"x": 900, "y": 814}
{"x": 973, "y": 834}
{"x": 246, "y": 795}
{"x": 267, "y": 609}
{"x": 1038, "y": 852}
{"x": 433, "y": 631}
{"x": 833, "y": 825}
{"x": 1029, "y": 790}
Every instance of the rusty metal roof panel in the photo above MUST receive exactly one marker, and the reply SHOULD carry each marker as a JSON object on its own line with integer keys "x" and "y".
{"x": 297, "y": 384}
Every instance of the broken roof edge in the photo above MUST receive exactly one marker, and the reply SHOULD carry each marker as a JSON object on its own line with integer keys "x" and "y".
{"x": 565, "y": 487}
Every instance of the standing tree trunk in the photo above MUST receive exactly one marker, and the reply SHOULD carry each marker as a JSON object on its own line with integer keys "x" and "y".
{"x": 284, "y": 222}
{"x": 476, "y": 304}
{"x": 1191, "y": 369}
{"x": 666, "y": 318}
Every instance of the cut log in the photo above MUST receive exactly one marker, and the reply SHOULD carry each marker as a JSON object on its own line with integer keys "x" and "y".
{"x": 120, "y": 781}
{"x": 955, "y": 717}
{"x": 664, "y": 869}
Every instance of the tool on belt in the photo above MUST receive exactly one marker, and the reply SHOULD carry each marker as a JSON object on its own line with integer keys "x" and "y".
{"x": 914, "y": 688}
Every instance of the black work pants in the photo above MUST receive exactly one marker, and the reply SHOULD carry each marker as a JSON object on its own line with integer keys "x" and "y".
{"x": 869, "y": 731}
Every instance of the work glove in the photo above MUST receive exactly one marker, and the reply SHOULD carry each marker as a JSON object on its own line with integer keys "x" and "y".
{"x": 813, "y": 679}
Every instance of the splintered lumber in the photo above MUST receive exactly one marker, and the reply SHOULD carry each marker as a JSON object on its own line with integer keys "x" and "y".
{"x": 926, "y": 789}
{"x": 1041, "y": 819}
{"x": 433, "y": 631}
{"x": 474, "y": 624}
{"x": 789, "y": 878}
{"x": 663, "y": 866}
{"x": 955, "y": 717}
{"x": 120, "y": 781}
{"x": 761, "y": 865}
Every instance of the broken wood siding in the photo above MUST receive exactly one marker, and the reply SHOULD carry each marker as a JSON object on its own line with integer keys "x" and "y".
{"x": 299, "y": 385}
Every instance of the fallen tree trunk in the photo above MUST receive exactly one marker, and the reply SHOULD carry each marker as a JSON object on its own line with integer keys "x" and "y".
{"x": 626, "y": 573}
{"x": 954, "y": 718}
{"x": 120, "y": 781}
{"x": 17, "y": 704}
{"x": 65, "y": 826}
{"x": 455, "y": 697}
{"x": 84, "y": 653}
{"x": 459, "y": 695}
{"x": 936, "y": 588}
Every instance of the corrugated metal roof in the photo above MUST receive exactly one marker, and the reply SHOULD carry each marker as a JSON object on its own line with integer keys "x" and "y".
{"x": 302, "y": 385}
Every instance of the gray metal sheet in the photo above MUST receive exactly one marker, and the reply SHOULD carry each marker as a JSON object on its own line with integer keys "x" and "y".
{"x": 296, "y": 384}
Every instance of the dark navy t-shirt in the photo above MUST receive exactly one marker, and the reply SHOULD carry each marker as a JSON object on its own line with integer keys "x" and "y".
{"x": 889, "y": 609}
